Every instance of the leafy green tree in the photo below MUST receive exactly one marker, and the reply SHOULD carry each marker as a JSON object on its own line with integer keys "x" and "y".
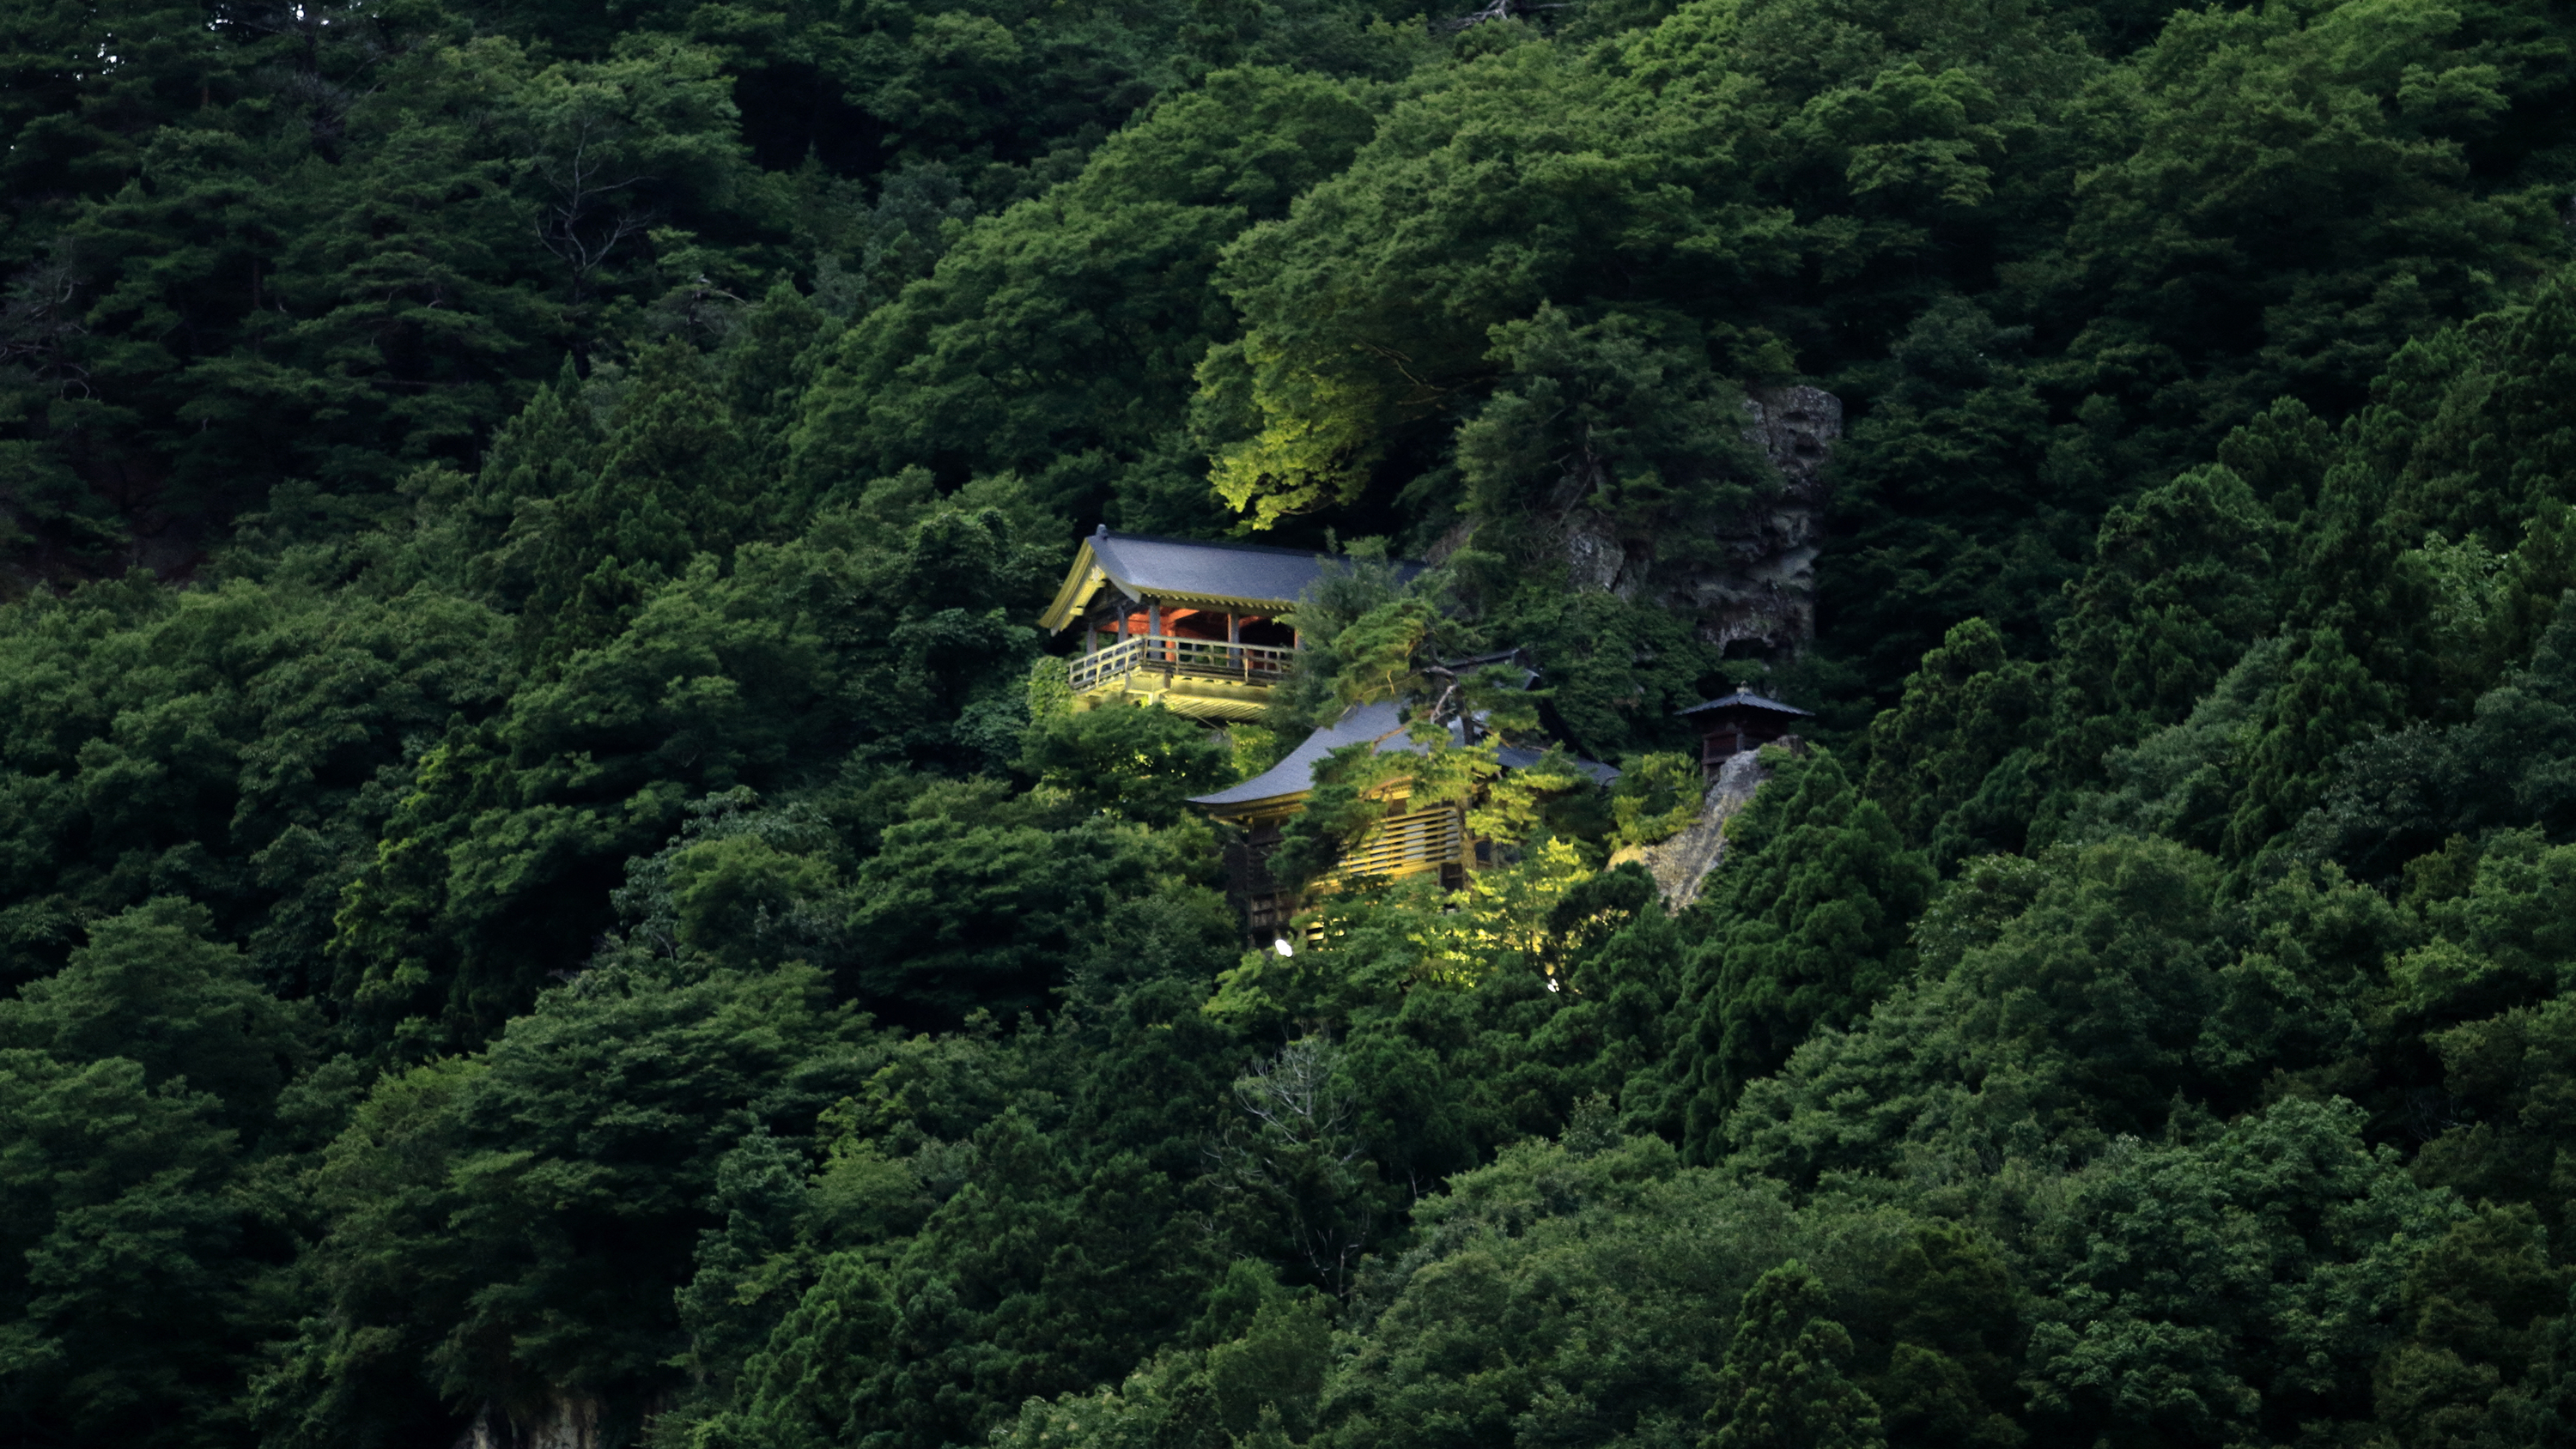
{"x": 497, "y": 865}
{"x": 1322, "y": 682}
{"x": 746, "y": 1270}
{"x": 1702, "y": 155}
{"x": 1934, "y": 758}
{"x": 1782, "y": 1383}
{"x": 223, "y": 743}
{"x": 1953, "y": 1309}
{"x": 1805, "y": 926}
{"x": 1157, "y": 1067}
{"x": 2236, "y": 260}
{"x": 1300, "y": 1165}
{"x": 1616, "y": 673}
{"x": 71, "y": 129}
{"x": 2178, "y": 782}
{"x": 2183, "y": 580}
{"x": 1655, "y": 797}
{"x": 128, "y": 1275}
{"x": 1957, "y": 495}
{"x": 1136, "y": 764}
{"x": 2396, "y": 797}
{"x": 2119, "y": 957}
{"x": 1343, "y": 305}
{"x": 350, "y": 250}
{"x": 1581, "y": 1288}
{"x": 1617, "y": 415}
{"x": 1272, "y": 1374}
{"x": 498, "y": 862}
{"x": 515, "y": 1226}
{"x": 609, "y": 142}
{"x": 954, "y": 913}
{"x": 798, "y": 1390}
{"x": 151, "y": 989}
{"x": 2109, "y": 960}
{"x": 1263, "y": 1372}
{"x": 2494, "y": 455}
{"x": 2302, "y": 1007}
{"x": 1059, "y": 336}
{"x": 1032, "y": 1280}
{"x": 1454, "y": 1354}
{"x": 2503, "y": 1068}
{"x": 671, "y": 481}
{"x": 2327, "y": 700}
{"x": 2482, "y": 1303}
{"x": 2248, "y": 1284}
{"x": 924, "y": 629}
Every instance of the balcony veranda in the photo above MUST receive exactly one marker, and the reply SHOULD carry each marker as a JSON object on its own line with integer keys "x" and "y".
{"x": 1203, "y": 678}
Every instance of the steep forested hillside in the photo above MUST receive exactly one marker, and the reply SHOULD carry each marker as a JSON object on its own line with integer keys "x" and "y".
{"x": 550, "y": 889}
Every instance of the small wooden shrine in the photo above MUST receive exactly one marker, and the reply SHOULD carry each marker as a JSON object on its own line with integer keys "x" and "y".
{"x": 1193, "y": 626}
{"x": 1740, "y": 722}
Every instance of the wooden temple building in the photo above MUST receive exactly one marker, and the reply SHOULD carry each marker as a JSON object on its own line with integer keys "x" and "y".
{"x": 1192, "y": 626}
{"x": 1740, "y": 722}
{"x": 1408, "y": 842}
{"x": 1197, "y": 627}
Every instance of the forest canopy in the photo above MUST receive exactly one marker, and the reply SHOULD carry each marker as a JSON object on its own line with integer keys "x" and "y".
{"x": 550, "y": 879}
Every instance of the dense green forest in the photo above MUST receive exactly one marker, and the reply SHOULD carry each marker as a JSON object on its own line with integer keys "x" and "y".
{"x": 550, "y": 892}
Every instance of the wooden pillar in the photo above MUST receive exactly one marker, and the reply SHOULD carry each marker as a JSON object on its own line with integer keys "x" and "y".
{"x": 1153, "y": 628}
{"x": 1233, "y": 637}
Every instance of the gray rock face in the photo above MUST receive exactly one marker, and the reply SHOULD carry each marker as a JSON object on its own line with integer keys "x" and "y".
{"x": 1594, "y": 558}
{"x": 566, "y": 1421}
{"x": 1769, "y": 594}
{"x": 1682, "y": 864}
{"x": 1764, "y": 590}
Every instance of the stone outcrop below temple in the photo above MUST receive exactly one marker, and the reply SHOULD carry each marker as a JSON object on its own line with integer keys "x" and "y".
{"x": 1682, "y": 864}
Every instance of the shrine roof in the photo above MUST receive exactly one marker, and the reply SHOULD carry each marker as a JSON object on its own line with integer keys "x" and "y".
{"x": 1383, "y": 722}
{"x": 1248, "y": 576}
{"x": 1744, "y": 700}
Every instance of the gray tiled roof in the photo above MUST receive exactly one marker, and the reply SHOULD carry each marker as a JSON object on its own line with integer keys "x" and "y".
{"x": 1297, "y": 772}
{"x": 1381, "y": 722}
{"x": 1143, "y": 565}
{"x": 1752, "y": 701}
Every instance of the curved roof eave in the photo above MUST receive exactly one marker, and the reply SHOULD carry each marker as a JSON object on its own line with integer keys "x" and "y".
{"x": 1190, "y": 571}
{"x": 1746, "y": 699}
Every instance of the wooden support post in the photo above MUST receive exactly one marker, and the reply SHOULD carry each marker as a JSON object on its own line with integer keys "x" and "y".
{"x": 1153, "y": 628}
{"x": 1234, "y": 637}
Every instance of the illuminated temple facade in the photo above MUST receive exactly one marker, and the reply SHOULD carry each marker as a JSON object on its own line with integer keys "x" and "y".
{"x": 1200, "y": 629}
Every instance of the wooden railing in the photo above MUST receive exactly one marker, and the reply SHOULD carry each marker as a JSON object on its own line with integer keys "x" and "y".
{"x": 1185, "y": 658}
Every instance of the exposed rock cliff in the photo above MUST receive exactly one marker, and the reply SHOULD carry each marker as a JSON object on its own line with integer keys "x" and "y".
{"x": 1761, "y": 589}
{"x": 565, "y": 1421}
{"x": 1682, "y": 864}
